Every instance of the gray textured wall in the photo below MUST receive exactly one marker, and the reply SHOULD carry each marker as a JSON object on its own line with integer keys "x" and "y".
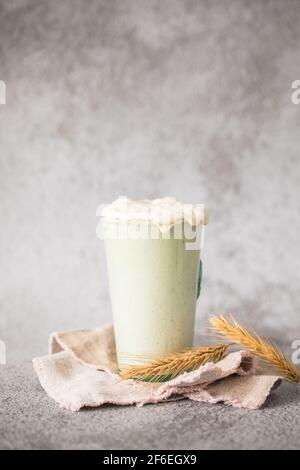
{"x": 147, "y": 98}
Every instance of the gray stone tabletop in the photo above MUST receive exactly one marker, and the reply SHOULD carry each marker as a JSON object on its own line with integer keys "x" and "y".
{"x": 29, "y": 419}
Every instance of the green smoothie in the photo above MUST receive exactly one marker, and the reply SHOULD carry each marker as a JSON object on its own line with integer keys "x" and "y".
{"x": 153, "y": 288}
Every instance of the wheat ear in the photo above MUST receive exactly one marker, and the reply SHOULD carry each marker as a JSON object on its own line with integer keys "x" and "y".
{"x": 172, "y": 365}
{"x": 264, "y": 349}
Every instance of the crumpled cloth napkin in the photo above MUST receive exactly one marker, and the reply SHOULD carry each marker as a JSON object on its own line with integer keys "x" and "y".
{"x": 80, "y": 372}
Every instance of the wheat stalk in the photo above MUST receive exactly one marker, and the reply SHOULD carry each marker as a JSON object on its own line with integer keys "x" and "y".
{"x": 264, "y": 349}
{"x": 172, "y": 365}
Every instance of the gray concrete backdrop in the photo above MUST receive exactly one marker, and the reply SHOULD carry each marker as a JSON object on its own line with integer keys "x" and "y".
{"x": 147, "y": 98}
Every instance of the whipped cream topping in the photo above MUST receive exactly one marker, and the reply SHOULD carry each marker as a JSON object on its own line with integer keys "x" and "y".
{"x": 164, "y": 212}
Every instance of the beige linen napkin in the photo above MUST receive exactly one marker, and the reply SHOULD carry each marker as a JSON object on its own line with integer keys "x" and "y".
{"x": 80, "y": 372}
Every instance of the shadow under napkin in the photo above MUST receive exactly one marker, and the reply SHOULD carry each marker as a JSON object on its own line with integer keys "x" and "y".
{"x": 80, "y": 372}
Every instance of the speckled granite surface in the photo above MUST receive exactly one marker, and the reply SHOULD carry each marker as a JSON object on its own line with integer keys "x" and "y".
{"x": 29, "y": 419}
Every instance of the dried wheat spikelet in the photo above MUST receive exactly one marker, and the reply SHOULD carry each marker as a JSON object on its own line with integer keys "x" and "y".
{"x": 262, "y": 348}
{"x": 172, "y": 365}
